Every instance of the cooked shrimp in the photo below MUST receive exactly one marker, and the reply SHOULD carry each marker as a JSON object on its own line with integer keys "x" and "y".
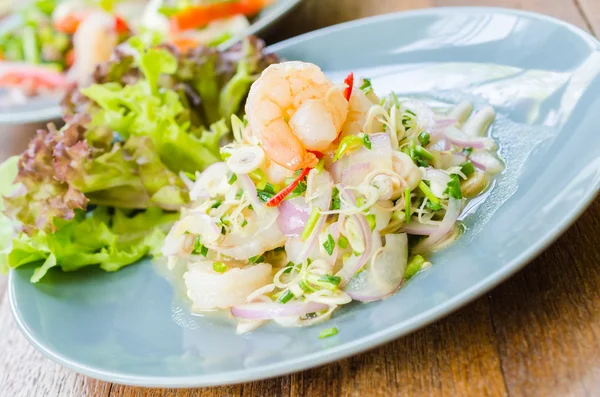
{"x": 293, "y": 109}
{"x": 359, "y": 106}
{"x": 93, "y": 43}
{"x": 210, "y": 290}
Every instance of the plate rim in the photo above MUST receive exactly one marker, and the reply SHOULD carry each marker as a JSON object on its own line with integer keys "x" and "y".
{"x": 322, "y": 357}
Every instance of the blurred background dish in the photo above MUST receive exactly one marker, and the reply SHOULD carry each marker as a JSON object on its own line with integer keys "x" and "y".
{"x": 47, "y": 46}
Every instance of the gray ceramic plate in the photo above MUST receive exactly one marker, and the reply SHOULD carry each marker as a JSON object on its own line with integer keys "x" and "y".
{"x": 46, "y": 108}
{"x": 541, "y": 75}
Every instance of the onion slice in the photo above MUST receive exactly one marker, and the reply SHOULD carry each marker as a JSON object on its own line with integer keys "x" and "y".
{"x": 293, "y": 215}
{"x": 452, "y": 213}
{"x": 384, "y": 275}
{"x": 268, "y": 311}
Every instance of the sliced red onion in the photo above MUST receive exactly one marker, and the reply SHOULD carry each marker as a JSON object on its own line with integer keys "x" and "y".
{"x": 461, "y": 139}
{"x": 385, "y": 275}
{"x": 439, "y": 127}
{"x": 452, "y": 213}
{"x": 268, "y": 311}
{"x": 486, "y": 162}
{"x": 293, "y": 215}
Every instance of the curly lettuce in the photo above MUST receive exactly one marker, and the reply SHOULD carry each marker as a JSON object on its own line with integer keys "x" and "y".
{"x": 98, "y": 191}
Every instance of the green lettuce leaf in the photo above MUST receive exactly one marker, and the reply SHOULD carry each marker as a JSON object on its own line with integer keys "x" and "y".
{"x": 105, "y": 237}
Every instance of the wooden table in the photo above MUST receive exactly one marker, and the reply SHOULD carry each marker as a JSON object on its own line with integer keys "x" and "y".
{"x": 538, "y": 334}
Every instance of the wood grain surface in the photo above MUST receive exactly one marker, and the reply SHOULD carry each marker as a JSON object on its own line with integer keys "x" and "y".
{"x": 538, "y": 334}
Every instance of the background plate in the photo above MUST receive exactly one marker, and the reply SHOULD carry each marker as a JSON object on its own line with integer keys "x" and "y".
{"x": 540, "y": 74}
{"x": 46, "y": 108}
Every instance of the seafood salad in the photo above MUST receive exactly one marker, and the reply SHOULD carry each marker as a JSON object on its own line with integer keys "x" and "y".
{"x": 328, "y": 194}
{"x": 50, "y": 45}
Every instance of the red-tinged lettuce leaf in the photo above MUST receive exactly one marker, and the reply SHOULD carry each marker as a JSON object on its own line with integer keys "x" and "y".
{"x": 40, "y": 195}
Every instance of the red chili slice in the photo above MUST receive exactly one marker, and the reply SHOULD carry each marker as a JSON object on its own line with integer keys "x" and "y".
{"x": 350, "y": 83}
{"x": 278, "y": 198}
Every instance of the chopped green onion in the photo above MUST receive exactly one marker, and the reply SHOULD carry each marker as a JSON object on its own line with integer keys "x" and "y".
{"x": 433, "y": 206}
{"x": 219, "y": 267}
{"x": 424, "y": 138}
{"x": 320, "y": 165}
{"x": 372, "y": 220}
{"x": 348, "y": 143}
{"x": 266, "y": 193}
{"x": 413, "y": 267}
{"x": 366, "y": 85}
{"x": 305, "y": 287}
{"x": 199, "y": 249}
{"x": 244, "y": 223}
{"x": 335, "y": 199}
{"x": 422, "y": 152}
{"x": 427, "y": 192}
{"x": 343, "y": 241}
{"x": 286, "y": 297}
{"x": 329, "y": 245}
{"x": 311, "y": 223}
{"x": 256, "y": 259}
{"x": 216, "y": 204}
{"x": 232, "y": 179}
{"x": 326, "y": 333}
{"x": 453, "y": 189}
{"x": 467, "y": 168}
{"x": 407, "y": 212}
{"x": 467, "y": 151}
{"x": 367, "y": 142}
{"x": 328, "y": 278}
{"x": 410, "y": 112}
{"x": 239, "y": 194}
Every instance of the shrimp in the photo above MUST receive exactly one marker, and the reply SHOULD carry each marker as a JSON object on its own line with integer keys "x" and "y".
{"x": 211, "y": 290}
{"x": 93, "y": 43}
{"x": 359, "y": 106}
{"x": 294, "y": 109}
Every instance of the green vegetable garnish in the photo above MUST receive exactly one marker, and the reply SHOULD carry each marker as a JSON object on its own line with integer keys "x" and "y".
{"x": 310, "y": 223}
{"x": 216, "y": 204}
{"x": 343, "y": 242}
{"x": 453, "y": 190}
{"x": 372, "y": 220}
{"x": 424, "y": 138}
{"x": 326, "y": 333}
{"x": 367, "y": 141}
{"x": 427, "y": 192}
{"x": 256, "y": 259}
{"x": 348, "y": 144}
{"x": 407, "y": 212}
{"x": 286, "y": 297}
{"x": 467, "y": 168}
{"x": 199, "y": 249}
{"x": 329, "y": 245}
{"x": 328, "y": 278}
{"x": 467, "y": 151}
{"x": 266, "y": 193}
{"x": 413, "y": 267}
{"x": 219, "y": 267}
{"x": 320, "y": 165}
{"x": 366, "y": 86}
{"x": 232, "y": 179}
{"x": 335, "y": 199}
